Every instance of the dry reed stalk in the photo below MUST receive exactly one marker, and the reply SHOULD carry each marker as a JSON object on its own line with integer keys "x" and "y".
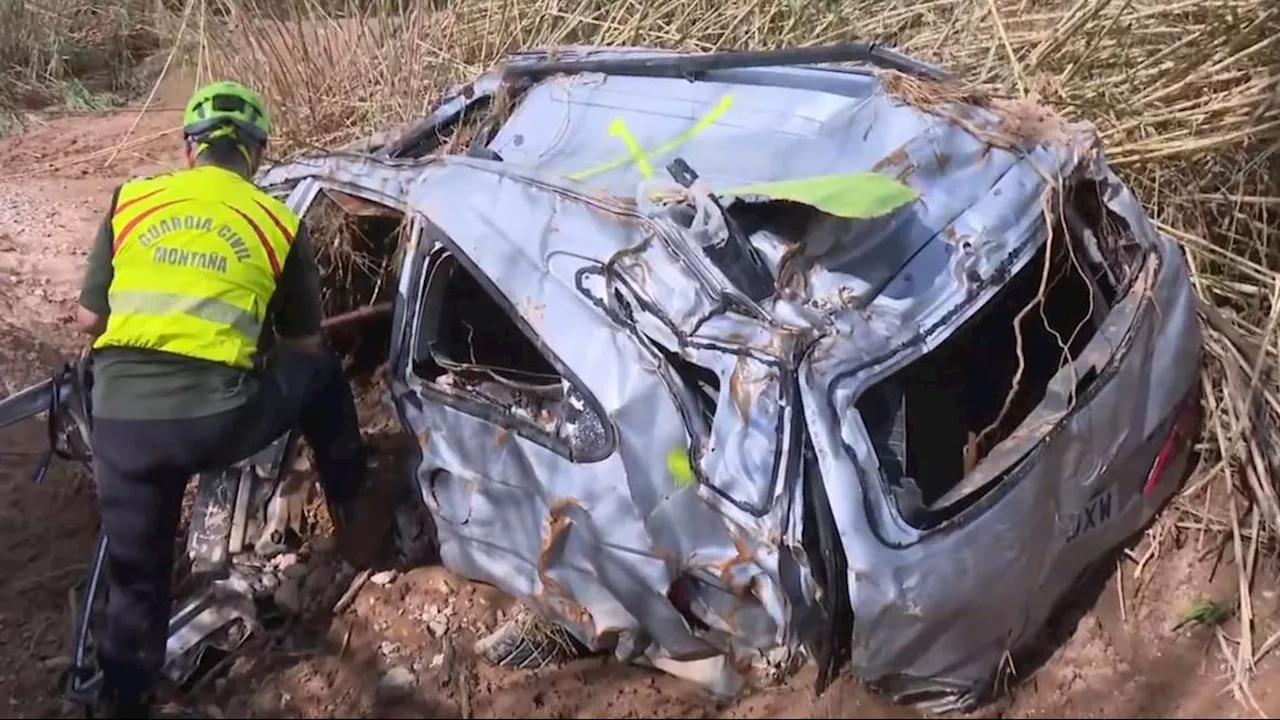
{"x": 70, "y": 48}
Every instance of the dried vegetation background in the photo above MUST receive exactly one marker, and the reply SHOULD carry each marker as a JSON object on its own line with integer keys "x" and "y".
{"x": 70, "y": 52}
{"x": 1185, "y": 95}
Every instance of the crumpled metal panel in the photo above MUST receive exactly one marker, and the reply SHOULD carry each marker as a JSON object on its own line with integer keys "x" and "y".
{"x": 594, "y": 531}
{"x": 947, "y": 605}
{"x": 609, "y": 539}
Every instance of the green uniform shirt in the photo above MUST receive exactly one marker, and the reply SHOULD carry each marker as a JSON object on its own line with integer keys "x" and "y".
{"x": 141, "y": 384}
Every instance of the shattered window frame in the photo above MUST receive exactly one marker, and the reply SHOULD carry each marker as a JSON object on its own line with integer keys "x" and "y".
{"x": 1012, "y": 466}
{"x": 431, "y": 242}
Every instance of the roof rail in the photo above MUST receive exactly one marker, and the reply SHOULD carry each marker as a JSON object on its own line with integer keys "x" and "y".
{"x": 689, "y": 65}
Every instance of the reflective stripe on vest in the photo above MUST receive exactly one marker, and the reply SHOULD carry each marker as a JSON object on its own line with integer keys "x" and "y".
{"x": 195, "y": 257}
{"x": 147, "y": 302}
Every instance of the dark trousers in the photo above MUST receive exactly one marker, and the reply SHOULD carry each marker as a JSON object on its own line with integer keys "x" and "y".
{"x": 141, "y": 468}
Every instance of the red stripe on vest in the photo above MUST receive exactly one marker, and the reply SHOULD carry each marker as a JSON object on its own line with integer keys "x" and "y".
{"x": 262, "y": 238}
{"x": 140, "y": 198}
{"x": 279, "y": 225}
{"x": 124, "y": 233}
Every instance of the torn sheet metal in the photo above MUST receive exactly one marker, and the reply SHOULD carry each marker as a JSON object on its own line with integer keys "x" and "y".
{"x": 788, "y": 539}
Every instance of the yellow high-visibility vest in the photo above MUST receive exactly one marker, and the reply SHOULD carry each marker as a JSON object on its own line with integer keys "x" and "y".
{"x": 195, "y": 255}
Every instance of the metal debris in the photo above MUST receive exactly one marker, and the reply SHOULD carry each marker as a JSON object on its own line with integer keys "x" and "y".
{"x": 527, "y": 641}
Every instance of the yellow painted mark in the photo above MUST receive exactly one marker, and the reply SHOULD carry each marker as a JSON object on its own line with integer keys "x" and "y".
{"x": 641, "y": 158}
{"x": 618, "y": 128}
{"x": 850, "y": 195}
{"x": 678, "y": 466}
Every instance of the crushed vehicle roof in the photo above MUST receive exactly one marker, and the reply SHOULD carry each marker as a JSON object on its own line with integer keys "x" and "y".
{"x": 981, "y": 176}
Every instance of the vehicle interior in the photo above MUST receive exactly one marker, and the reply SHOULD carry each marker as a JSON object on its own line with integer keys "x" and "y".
{"x": 935, "y": 420}
{"x": 468, "y": 344}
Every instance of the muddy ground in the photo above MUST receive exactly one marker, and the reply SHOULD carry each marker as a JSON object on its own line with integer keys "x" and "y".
{"x": 1123, "y": 659}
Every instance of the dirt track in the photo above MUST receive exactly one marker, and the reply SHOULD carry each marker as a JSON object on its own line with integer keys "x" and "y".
{"x": 1123, "y": 660}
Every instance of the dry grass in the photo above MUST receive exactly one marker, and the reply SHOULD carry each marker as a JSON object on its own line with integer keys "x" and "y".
{"x": 70, "y": 50}
{"x": 359, "y": 265}
{"x": 1185, "y": 94}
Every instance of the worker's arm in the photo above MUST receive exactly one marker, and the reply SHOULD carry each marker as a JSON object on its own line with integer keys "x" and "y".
{"x": 295, "y": 306}
{"x": 93, "y": 310}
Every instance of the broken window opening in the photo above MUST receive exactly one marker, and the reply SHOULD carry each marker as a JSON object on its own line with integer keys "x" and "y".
{"x": 469, "y": 346}
{"x": 356, "y": 244}
{"x": 785, "y": 218}
{"x": 1110, "y": 249}
{"x": 469, "y": 131}
{"x": 935, "y": 420}
{"x": 454, "y": 135}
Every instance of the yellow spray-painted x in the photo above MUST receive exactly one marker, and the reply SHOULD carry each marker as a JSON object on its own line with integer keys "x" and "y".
{"x": 639, "y": 156}
{"x": 849, "y": 195}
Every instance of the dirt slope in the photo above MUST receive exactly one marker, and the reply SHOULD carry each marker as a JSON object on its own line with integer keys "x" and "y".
{"x": 1123, "y": 660}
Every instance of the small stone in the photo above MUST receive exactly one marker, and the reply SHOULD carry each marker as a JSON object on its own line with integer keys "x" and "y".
{"x": 437, "y": 660}
{"x": 397, "y": 682}
{"x": 296, "y": 571}
{"x": 438, "y": 626}
{"x": 384, "y": 578}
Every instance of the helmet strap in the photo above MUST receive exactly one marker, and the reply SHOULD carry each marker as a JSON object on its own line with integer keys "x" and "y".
{"x": 200, "y": 146}
{"x": 203, "y": 145}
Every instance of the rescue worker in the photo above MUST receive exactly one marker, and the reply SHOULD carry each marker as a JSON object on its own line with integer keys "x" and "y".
{"x": 188, "y": 270}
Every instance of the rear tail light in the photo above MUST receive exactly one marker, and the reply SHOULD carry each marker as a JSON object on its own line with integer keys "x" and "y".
{"x": 1183, "y": 432}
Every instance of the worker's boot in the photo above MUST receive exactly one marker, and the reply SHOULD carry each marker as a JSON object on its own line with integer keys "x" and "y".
{"x": 362, "y": 528}
{"x": 111, "y": 706}
{"x": 361, "y": 523}
{"x": 123, "y": 693}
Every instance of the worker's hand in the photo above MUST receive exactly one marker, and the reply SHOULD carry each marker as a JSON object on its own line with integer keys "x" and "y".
{"x": 89, "y": 322}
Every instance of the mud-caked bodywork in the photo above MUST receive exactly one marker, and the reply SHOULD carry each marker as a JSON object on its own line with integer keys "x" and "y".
{"x": 679, "y": 387}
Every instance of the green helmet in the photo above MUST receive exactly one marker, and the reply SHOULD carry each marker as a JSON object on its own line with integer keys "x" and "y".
{"x": 227, "y": 108}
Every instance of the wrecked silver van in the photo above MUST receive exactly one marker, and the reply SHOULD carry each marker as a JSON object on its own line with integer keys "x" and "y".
{"x": 793, "y": 355}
